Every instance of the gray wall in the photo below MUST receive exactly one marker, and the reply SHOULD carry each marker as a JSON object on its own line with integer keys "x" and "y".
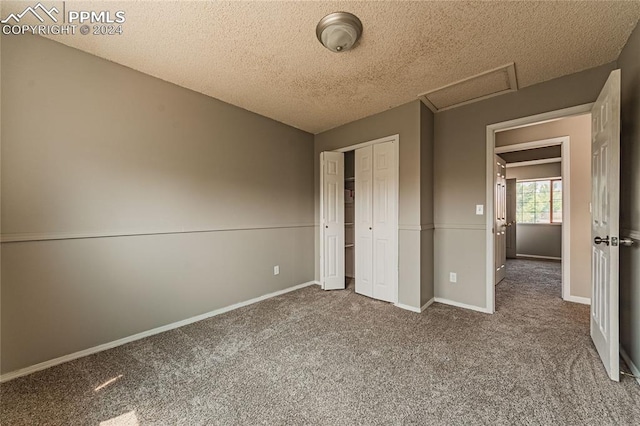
{"x": 459, "y": 173}
{"x": 539, "y": 240}
{"x": 629, "y": 62}
{"x": 91, "y": 148}
{"x": 579, "y": 131}
{"x": 404, "y": 120}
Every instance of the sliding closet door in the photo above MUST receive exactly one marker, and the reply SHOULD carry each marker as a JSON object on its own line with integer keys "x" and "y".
{"x": 364, "y": 221}
{"x": 385, "y": 222}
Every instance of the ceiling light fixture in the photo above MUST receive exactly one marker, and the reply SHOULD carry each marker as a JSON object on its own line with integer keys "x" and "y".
{"x": 339, "y": 31}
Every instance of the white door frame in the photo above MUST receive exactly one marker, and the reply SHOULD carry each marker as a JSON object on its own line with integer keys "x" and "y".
{"x": 490, "y": 152}
{"x": 396, "y": 143}
{"x": 564, "y": 142}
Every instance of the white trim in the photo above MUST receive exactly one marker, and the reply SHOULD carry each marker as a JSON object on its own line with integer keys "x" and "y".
{"x": 462, "y": 305}
{"x": 395, "y": 139}
{"x": 407, "y": 307}
{"x": 566, "y": 218}
{"x": 490, "y": 153}
{"x": 391, "y": 138}
{"x": 627, "y": 359}
{"x": 48, "y": 236}
{"x": 540, "y": 224}
{"x": 539, "y": 179}
{"x": 410, "y": 227}
{"x": 535, "y": 256}
{"x": 513, "y": 86}
{"x": 426, "y": 305}
{"x": 65, "y": 358}
{"x": 534, "y": 162}
{"x": 545, "y": 117}
{"x": 416, "y": 227}
{"x": 479, "y": 227}
{"x": 525, "y": 146}
{"x": 578, "y": 299}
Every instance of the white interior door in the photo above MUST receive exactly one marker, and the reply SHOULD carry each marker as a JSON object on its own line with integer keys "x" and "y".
{"x": 605, "y": 203}
{"x": 385, "y": 222}
{"x": 364, "y": 220}
{"x": 500, "y": 217}
{"x": 332, "y": 220}
{"x": 511, "y": 219}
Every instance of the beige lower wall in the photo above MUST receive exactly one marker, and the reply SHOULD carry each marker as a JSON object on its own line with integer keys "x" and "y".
{"x": 92, "y": 148}
{"x": 468, "y": 263}
{"x": 539, "y": 240}
{"x": 426, "y": 267}
{"x": 60, "y": 297}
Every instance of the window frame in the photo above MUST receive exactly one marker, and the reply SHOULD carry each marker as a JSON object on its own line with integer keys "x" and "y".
{"x": 551, "y": 180}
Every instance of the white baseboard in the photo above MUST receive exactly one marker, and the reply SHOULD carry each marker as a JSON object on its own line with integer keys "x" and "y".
{"x": 634, "y": 369}
{"x": 578, "y": 299}
{"x": 408, "y": 308}
{"x": 426, "y": 305}
{"x": 535, "y": 256}
{"x": 56, "y": 361}
{"x": 462, "y": 305}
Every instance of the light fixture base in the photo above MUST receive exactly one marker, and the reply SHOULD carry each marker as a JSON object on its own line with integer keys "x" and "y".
{"x": 339, "y": 31}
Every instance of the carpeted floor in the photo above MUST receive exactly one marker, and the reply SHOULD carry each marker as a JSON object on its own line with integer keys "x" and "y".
{"x": 337, "y": 358}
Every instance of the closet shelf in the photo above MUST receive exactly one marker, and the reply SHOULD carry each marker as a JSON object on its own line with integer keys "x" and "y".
{"x": 349, "y": 245}
{"x": 350, "y": 179}
{"x": 348, "y": 224}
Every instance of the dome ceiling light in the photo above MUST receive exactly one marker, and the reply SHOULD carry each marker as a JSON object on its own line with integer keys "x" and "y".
{"x": 339, "y": 31}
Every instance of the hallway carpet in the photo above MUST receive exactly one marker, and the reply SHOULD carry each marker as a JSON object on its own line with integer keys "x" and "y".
{"x": 337, "y": 358}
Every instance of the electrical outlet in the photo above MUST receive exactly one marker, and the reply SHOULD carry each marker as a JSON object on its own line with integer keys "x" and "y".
{"x": 276, "y": 270}
{"x": 479, "y": 209}
{"x": 453, "y": 277}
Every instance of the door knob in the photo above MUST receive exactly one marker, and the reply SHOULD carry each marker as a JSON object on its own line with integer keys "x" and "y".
{"x": 599, "y": 240}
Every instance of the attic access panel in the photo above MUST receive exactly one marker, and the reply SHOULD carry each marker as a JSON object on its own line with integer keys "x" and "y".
{"x": 481, "y": 86}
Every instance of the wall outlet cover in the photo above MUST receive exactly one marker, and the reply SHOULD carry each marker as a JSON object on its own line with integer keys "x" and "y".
{"x": 276, "y": 270}
{"x": 479, "y": 209}
{"x": 453, "y": 277}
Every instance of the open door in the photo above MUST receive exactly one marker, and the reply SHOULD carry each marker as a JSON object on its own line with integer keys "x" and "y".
{"x": 332, "y": 200}
{"x": 500, "y": 212}
{"x": 605, "y": 206}
{"x": 511, "y": 219}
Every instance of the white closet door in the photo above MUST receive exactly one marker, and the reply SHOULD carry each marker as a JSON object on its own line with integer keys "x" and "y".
{"x": 385, "y": 228}
{"x": 364, "y": 221}
{"x": 333, "y": 220}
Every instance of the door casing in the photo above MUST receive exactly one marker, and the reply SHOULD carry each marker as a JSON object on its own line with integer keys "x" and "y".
{"x": 491, "y": 150}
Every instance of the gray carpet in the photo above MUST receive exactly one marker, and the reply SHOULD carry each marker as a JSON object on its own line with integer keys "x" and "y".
{"x": 315, "y": 357}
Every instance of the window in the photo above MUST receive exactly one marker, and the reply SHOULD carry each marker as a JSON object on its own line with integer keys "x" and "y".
{"x": 539, "y": 201}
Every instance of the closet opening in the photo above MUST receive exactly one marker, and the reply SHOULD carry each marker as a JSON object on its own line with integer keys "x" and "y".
{"x": 349, "y": 220}
{"x": 359, "y": 219}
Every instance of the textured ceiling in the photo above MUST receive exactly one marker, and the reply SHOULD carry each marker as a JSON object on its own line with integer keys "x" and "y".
{"x": 264, "y": 56}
